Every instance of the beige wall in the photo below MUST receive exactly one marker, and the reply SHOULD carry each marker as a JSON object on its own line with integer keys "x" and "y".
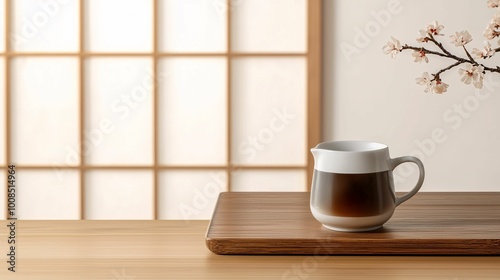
{"x": 368, "y": 95}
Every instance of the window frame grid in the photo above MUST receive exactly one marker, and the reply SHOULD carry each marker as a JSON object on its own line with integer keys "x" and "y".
{"x": 313, "y": 104}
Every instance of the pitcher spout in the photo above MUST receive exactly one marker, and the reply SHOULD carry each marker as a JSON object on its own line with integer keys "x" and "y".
{"x": 316, "y": 152}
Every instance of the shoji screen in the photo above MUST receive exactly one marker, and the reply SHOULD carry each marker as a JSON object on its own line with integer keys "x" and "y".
{"x": 147, "y": 109}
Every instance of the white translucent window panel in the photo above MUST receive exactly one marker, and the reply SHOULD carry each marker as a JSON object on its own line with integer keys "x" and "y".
{"x": 192, "y": 26}
{"x": 2, "y": 25}
{"x": 119, "y": 195}
{"x": 189, "y": 195}
{"x": 45, "y": 114}
{"x": 3, "y": 192}
{"x": 119, "y": 111}
{"x": 48, "y": 195}
{"x": 3, "y": 133}
{"x": 45, "y": 26}
{"x": 193, "y": 102}
{"x": 269, "y": 181}
{"x": 269, "y": 26}
{"x": 119, "y": 25}
{"x": 269, "y": 111}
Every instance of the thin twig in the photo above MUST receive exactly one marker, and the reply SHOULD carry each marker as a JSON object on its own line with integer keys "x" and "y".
{"x": 436, "y": 76}
{"x": 469, "y": 56}
{"x": 440, "y": 45}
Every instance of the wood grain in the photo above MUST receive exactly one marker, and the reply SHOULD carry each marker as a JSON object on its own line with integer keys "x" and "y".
{"x": 126, "y": 250}
{"x": 428, "y": 224}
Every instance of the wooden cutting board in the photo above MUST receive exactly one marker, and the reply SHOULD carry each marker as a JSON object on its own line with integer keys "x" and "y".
{"x": 427, "y": 224}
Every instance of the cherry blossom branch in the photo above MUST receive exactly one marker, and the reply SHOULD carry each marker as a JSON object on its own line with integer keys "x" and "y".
{"x": 471, "y": 71}
{"x": 459, "y": 60}
{"x": 427, "y": 51}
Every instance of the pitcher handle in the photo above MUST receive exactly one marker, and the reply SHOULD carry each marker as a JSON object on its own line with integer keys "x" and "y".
{"x": 393, "y": 163}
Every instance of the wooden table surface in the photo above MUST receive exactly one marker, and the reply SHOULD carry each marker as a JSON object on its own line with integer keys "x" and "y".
{"x": 125, "y": 250}
{"x": 431, "y": 223}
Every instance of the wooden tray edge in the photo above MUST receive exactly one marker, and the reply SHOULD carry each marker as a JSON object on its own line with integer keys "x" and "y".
{"x": 453, "y": 247}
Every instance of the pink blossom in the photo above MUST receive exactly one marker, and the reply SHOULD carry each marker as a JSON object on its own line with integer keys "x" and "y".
{"x": 423, "y": 36}
{"x": 461, "y": 38}
{"x": 420, "y": 56}
{"x": 491, "y": 30}
{"x": 436, "y": 85}
{"x": 434, "y": 28}
{"x": 495, "y": 21}
{"x": 493, "y": 3}
{"x": 425, "y": 80}
{"x": 439, "y": 86}
{"x": 490, "y": 33}
{"x": 486, "y": 52}
{"x": 472, "y": 74}
{"x": 392, "y": 47}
